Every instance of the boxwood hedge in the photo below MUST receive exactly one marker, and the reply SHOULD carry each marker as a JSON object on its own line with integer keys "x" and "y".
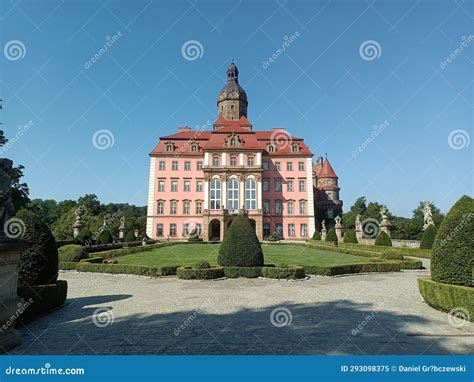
{"x": 120, "y": 269}
{"x": 290, "y": 272}
{"x": 188, "y": 273}
{"x": 352, "y": 268}
{"x": 248, "y": 272}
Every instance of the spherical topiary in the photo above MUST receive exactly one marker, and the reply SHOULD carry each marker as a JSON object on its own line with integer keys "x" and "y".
{"x": 202, "y": 264}
{"x": 240, "y": 247}
{"x": 130, "y": 237}
{"x": 331, "y": 235}
{"x": 428, "y": 237}
{"x": 350, "y": 237}
{"x": 452, "y": 258}
{"x": 105, "y": 237}
{"x": 316, "y": 235}
{"x": 85, "y": 236}
{"x": 383, "y": 239}
{"x": 39, "y": 261}
{"x": 72, "y": 253}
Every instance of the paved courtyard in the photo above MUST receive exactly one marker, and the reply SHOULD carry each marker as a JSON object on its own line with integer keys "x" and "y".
{"x": 358, "y": 314}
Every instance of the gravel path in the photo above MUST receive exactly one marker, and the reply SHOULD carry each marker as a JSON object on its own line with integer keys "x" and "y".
{"x": 359, "y": 314}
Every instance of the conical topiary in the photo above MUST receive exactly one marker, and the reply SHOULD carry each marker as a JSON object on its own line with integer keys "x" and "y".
{"x": 383, "y": 239}
{"x": 105, "y": 237}
{"x": 85, "y": 236}
{"x": 350, "y": 237}
{"x": 240, "y": 247}
{"x": 428, "y": 237}
{"x": 452, "y": 259}
{"x": 130, "y": 237}
{"x": 316, "y": 235}
{"x": 331, "y": 235}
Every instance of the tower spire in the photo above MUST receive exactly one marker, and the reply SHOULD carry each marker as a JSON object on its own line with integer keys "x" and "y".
{"x": 232, "y": 101}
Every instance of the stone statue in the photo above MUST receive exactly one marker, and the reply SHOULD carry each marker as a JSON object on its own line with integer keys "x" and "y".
{"x": 7, "y": 209}
{"x": 384, "y": 224}
{"x": 358, "y": 223}
{"x": 122, "y": 222}
{"x": 427, "y": 216}
{"x": 384, "y": 213}
{"x": 104, "y": 222}
{"x": 79, "y": 213}
{"x": 338, "y": 221}
{"x": 323, "y": 225}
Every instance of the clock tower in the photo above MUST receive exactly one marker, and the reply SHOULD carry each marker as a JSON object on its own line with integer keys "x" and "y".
{"x": 232, "y": 101}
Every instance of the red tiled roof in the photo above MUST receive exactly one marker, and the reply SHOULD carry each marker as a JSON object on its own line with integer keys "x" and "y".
{"x": 327, "y": 171}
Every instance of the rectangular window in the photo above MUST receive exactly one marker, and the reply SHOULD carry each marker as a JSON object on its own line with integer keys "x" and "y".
{"x": 290, "y": 207}
{"x": 174, "y": 186}
{"x": 290, "y": 185}
{"x": 198, "y": 229}
{"x": 277, "y": 185}
{"x": 160, "y": 209}
{"x": 302, "y": 207}
{"x": 302, "y": 186}
{"x": 279, "y": 230}
{"x": 174, "y": 207}
{"x": 303, "y": 230}
{"x": 291, "y": 230}
{"x": 289, "y": 166}
{"x": 199, "y": 186}
{"x": 301, "y": 166}
{"x": 265, "y": 185}
{"x": 172, "y": 229}
{"x": 265, "y": 166}
{"x": 186, "y": 205}
{"x": 185, "y": 229}
{"x": 278, "y": 206}
{"x": 266, "y": 230}
{"x": 174, "y": 165}
{"x": 266, "y": 206}
{"x": 187, "y": 166}
{"x": 199, "y": 165}
{"x": 198, "y": 207}
{"x": 233, "y": 160}
{"x": 277, "y": 166}
{"x": 161, "y": 186}
{"x": 159, "y": 229}
{"x": 215, "y": 160}
{"x": 162, "y": 165}
{"x": 250, "y": 161}
{"x": 187, "y": 185}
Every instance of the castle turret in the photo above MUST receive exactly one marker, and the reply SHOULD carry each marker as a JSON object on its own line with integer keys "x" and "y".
{"x": 328, "y": 205}
{"x": 232, "y": 101}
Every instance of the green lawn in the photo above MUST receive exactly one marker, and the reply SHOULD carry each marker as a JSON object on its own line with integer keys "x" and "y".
{"x": 189, "y": 254}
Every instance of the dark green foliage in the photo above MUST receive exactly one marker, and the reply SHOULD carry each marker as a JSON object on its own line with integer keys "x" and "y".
{"x": 95, "y": 260}
{"x": 72, "y": 253}
{"x": 411, "y": 264}
{"x": 194, "y": 237}
{"x": 203, "y": 264}
{"x": 428, "y": 237}
{"x": 105, "y": 237}
{"x": 248, "y": 272}
{"x": 293, "y": 272}
{"x": 121, "y": 269}
{"x": 130, "y": 237}
{"x": 452, "y": 259}
{"x": 240, "y": 247}
{"x": 352, "y": 268}
{"x": 273, "y": 237}
{"x": 392, "y": 254}
{"x": 383, "y": 240}
{"x": 188, "y": 273}
{"x": 39, "y": 262}
{"x": 447, "y": 297}
{"x": 85, "y": 236}
{"x": 350, "y": 237}
{"x": 331, "y": 235}
{"x": 316, "y": 235}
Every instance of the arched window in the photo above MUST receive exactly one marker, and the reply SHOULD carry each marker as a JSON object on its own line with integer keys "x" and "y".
{"x": 215, "y": 195}
{"x": 233, "y": 194}
{"x": 250, "y": 195}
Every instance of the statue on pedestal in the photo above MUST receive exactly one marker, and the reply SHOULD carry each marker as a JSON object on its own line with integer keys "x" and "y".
{"x": 78, "y": 224}
{"x": 122, "y": 227}
{"x": 427, "y": 216}
{"x": 338, "y": 227}
{"x": 385, "y": 224}
{"x": 323, "y": 230}
{"x": 358, "y": 228}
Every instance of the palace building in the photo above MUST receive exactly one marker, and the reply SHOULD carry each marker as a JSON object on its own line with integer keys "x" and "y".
{"x": 201, "y": 179}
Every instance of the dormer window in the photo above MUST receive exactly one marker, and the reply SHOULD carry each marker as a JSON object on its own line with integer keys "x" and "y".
{"x": 271, "y": 148}
{"x": 169, "y": 147}
{"x": 194, "y": 147}
{"x": 295, "y": 148}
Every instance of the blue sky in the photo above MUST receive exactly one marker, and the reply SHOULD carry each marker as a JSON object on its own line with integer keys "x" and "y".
{"x": 324, "y": 87}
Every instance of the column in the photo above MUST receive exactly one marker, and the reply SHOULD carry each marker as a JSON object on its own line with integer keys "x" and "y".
{"x": 206, "y": 159}
{"x": 241, "y": 192}
{"x": 259, "y": 159}
{"x": 259, "y": 192}
{"x": 224, "y": 192}
{"x": 241, "y": 159}
{"x": 151, "y": 198}
{"x": 224, "y": 159}
{"x": 310, "y": 191}
{"x": 206, "y": 194}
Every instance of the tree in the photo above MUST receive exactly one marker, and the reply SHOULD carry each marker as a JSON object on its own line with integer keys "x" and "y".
{"x": 91, "y": 202}
{"x": 359, "y": 208}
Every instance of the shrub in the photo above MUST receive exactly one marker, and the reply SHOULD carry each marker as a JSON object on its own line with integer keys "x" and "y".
{"x": 428, "y": 237}
{"x": 316, "y": 235}
{"x": 452, "y": 258}
{"x": 95, "y": 260}
{"x": 331, "y": 235}
{"x": 122, "y": 269}
{"x": 39, "y": 261}
{"x": 240, "y": 247}
{"x": 350, "y": 237}
{"x": 293, "y": 272}
{"x": 411, "y": 264}
{"x": 72, "y": 253}
{"x": 248, "y": 272}
{"x": 202, "y": 264}
{"x": 188, "y": 273}
{"x": 383, "y": 240}
{"x": 392, "y": 254}
{"x": 105, "y": 237}
{"x": 352, "y": 268}
{"x": 85, "y": 236}
{"x": 130, "y": 237}
{"x": 447, "y": 297}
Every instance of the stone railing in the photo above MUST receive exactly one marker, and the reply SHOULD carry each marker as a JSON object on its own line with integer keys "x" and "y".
{"x": 406, "y": 243}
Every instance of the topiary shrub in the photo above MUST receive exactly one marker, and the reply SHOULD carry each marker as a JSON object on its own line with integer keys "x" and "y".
{"x": 202, "y": 264}
{"x": 452, "y": 259}
{"x": 105, "y": 237}
{"x": 316, "y": 235}
{"x": 130, "y": 237}
{"x": 240, "y": 247}
{"x": 392, "y": 254}
{"x": 39, "y": 261}
{"x": 72, "y": 253}
{"x": 383, "y": 239}
{"x": 331, "y": 235}
{"x": 350, "y": 237}
{"x": 428, "y": 237}
{"x": 85, "y": 236}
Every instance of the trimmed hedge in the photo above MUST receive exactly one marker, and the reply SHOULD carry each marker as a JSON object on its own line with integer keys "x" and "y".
{"x": 428, "y": 237}
{"x": 130, "y": 237}
{"x": 130, "y": 250}
{"x": 248, "y": 272}
{"x": 240, "y": 247}
{"x": 202, "y": 264}
{"x": 95, "y": 260}
{"x": 392, "y": 255}
{"x": 67, "y": 266}
{"x": 291, "y": 272}
{"x": 316, "y": 235}
{"x": 105, "y": 237}
{"x": 353, "y": 268}
{"x": 72, "y": 252}
{"x": 85, "y": 235}
{"x": 383, "y": 240}
{"x": 121, "y": 269}
{"x": 411, "y": 264}
{"x": 331, "y": 236}
{"x": 41, "y": 299}
{"x": 350, "y": 237}
{"x": 188, "y": 273}
{"x": 452, "y": 258}
{"x": 447, "y": 297}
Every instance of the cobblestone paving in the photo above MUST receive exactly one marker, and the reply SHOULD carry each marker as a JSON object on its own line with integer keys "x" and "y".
{"x": 357, "y": 314}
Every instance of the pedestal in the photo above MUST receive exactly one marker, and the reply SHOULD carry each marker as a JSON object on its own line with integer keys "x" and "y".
{"x": 359, "y": 235}
{"x": 385, "y": 228}
{"x": 121, "y": 233}
{"x": 338, "y": 233}
{"x": 10, "y": 303}
{"x": 323, "y": 234}
{"x": 76, "y": 228}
